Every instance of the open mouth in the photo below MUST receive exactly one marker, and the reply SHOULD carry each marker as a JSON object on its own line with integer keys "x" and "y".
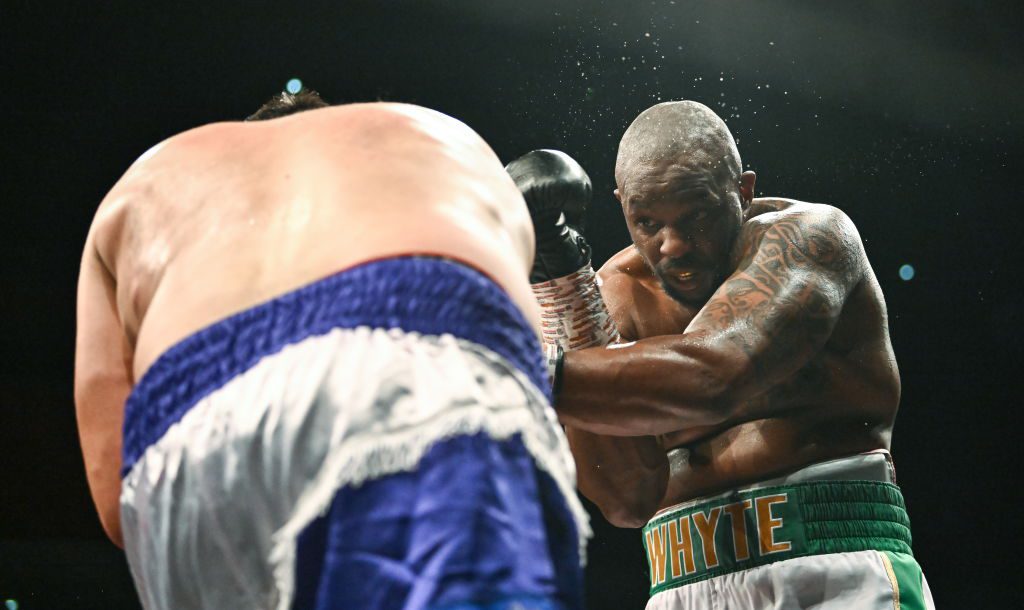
{"x": 686, "y": 279}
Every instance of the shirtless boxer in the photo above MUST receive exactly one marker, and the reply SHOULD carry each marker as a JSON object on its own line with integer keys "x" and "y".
{"x": 307, "y": 371}
{"x": 747, "y": 414}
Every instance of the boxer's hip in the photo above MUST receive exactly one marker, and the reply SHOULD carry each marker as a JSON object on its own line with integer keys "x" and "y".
{"x": 378, "y": 391}
{"x": 832, "y": 535}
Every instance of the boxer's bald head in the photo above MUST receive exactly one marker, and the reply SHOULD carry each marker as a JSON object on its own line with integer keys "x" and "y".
{"x": 678, "y": 131}
{"x": 683, "y": 194}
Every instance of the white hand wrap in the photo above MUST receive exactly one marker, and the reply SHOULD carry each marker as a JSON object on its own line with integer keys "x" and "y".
{"x": 573, "y": 315}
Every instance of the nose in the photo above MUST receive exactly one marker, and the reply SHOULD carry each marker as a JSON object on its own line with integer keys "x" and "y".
{"x": 674, "y": 244}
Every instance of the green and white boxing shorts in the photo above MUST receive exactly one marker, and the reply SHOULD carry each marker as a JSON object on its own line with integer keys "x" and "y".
{"x": 831, "y": 536}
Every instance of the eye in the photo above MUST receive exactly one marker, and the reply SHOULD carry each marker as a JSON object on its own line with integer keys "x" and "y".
{"x": 644, "y": 223}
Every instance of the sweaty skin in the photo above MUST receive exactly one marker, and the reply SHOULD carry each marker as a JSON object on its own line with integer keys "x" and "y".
{"x": 221, "y": 218}
{"x": 787, "y": 363}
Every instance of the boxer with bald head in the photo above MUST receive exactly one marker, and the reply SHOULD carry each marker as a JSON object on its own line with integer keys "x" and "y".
{"x": 308, "y": 376}
{"x": 746, "y": 413}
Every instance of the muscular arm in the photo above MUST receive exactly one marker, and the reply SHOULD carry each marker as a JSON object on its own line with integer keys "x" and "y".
{"x": 103, "y": 379}
{"x": 764, "y": 323}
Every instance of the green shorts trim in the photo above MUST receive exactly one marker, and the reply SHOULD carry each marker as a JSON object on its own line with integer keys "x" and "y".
{"x": 907, "y": 581}
{"x": 746, "y": 529}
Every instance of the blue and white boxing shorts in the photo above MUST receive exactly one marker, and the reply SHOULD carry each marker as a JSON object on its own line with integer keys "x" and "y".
{"x": 380, "y": 439}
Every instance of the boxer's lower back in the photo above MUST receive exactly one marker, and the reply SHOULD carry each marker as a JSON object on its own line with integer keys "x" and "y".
{"x": 191, "y": 294}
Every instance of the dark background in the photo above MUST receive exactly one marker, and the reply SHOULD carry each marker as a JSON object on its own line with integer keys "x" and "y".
{"x": 906, "y": 117}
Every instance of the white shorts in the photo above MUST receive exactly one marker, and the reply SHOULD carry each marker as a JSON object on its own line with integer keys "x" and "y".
{"x": 863, "y": 580}
{"x": 333, "y": 449}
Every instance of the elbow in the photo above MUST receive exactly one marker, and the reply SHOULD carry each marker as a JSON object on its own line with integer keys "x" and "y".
{"x": 719, "y": 409}
{"x": 632, "y": 506}
{"x": 633, "y": 516}
{"x": 111, "y": 522}
{"x": 106, "y": 497}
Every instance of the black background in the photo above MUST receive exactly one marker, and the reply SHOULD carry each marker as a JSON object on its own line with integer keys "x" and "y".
{"x": 906, "y": 117}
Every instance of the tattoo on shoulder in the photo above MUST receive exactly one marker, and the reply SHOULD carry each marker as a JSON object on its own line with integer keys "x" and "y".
{"x": 825, "y": 240}
{"x": 790, "y": 286}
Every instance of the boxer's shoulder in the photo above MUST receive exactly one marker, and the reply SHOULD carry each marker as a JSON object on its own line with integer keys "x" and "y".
{"x": 383, "y": 118}
{"x": 821, "y": 232}
{"x": 150, "y": 173}
{"x": 625, "y": 263}
{"x": 212, "y": 138}
{"x": 766, "y": 205}
{"x": 629, "y": 289}
{"x": 617, "y": 286}
{"x": 398, "y": 111}
{"x": 768, "y": 211}
{"x": 624, "y": 273}
{"x": 191, "y": 148}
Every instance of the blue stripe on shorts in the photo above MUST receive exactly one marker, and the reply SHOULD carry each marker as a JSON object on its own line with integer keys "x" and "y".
{"x": 475, "y": 527}
{"x": 431, "y": 296}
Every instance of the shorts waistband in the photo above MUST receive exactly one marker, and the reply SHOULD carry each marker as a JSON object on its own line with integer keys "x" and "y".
{"x": 425, "y": 295}
{"x": 745, "y": 529}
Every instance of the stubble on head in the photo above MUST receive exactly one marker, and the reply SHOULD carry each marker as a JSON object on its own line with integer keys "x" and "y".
{"x": 683, "y": 131}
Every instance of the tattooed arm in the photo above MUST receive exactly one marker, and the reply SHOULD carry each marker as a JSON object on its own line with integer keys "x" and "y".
{"x": 764, "y": 324}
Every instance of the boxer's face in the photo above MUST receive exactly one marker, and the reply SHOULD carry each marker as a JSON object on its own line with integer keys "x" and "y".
{"x": 683, "y": 219}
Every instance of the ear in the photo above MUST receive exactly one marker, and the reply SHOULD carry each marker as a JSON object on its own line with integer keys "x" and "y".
{"x": 617, "y": 195}
{"x": 747, "y": 180}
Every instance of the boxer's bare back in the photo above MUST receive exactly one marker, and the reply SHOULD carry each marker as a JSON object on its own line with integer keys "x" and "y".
{"x": 223, "y": 217}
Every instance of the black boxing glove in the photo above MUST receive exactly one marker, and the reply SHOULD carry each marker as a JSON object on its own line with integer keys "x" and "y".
{"x": 553, "y": 185}
{"x": 573, "y": 315}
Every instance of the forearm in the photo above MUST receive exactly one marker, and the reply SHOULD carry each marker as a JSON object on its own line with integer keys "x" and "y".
{"x": 625, "y": 477}
{"x": 655, "y": 386}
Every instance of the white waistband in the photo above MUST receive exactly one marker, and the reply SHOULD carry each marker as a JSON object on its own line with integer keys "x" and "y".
{"x": 874, "y": 465}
